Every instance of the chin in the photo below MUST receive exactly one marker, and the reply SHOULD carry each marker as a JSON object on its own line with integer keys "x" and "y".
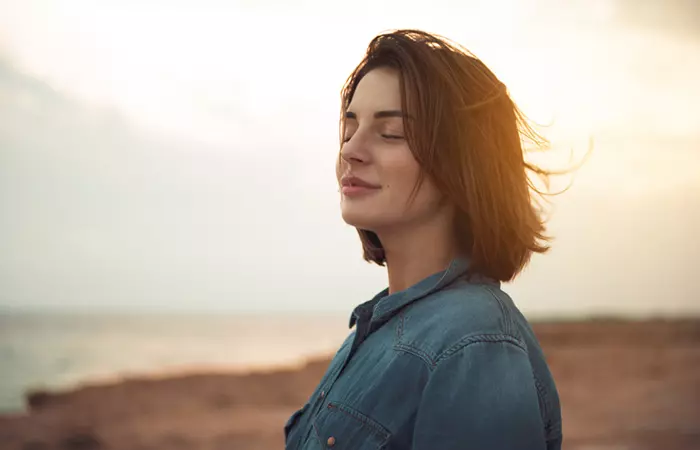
{"x": 363, "y": 219}
{"x": 358, "y": 219}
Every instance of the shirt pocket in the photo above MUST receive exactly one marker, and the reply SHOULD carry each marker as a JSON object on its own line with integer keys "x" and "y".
{"x": 293, "y": 419}
{"x": 341, "y": 427}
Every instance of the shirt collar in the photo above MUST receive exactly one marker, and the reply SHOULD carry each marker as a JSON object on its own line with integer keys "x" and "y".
{"x": 383, "y": 306}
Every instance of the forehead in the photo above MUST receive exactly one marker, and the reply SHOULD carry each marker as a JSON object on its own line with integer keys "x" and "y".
{"x": 378, "y": 90}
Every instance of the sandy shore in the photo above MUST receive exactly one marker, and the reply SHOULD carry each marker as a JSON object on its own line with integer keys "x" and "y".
{"x": 624, "y": 385}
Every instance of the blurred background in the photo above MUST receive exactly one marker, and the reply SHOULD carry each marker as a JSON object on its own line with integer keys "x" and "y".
{"x": 171, "y": 250}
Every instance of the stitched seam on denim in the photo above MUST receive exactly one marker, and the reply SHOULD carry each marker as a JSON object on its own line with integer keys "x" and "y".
{"x": 364, "y": 420}
{"x": 553, "y": 431}
{"x": 542, "y": 393}
{"x": 416, "y": 352}
{"x": 480, "y": 338}
{"x": 505, "y": 311}
{"x": 556, "y": 428}
{"x": 332, "y": 374}
{"x": 554, "y": 438}
{"x": 408, "y": 348}
{"x": 318, "y": 434}
{"x": 399, "y": 327}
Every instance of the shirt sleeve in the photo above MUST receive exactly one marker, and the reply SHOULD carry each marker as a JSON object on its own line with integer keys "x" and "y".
{"x": 481, "y": 397}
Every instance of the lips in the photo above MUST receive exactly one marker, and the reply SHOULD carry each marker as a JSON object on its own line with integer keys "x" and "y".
{"x": 352, "y": 181}
{"x": 352, "y": 186}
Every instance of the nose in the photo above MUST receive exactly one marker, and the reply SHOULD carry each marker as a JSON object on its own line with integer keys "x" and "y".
{"x": 354, "y": 151}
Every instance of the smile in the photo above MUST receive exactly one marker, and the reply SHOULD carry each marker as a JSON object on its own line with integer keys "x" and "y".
{"x": 356, "y": 191}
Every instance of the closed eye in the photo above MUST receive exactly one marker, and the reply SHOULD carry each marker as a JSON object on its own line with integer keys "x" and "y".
{"x": 385, "y": 136}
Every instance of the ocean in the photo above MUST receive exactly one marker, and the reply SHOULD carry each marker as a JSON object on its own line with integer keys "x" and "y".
{"x": 58, "y": 351}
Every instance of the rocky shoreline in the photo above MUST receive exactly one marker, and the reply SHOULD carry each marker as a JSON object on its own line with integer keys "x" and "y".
{"x": 624, "y": 385}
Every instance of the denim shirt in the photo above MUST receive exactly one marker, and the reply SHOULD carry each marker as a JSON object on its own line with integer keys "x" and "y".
{"x": 448, "y": 363}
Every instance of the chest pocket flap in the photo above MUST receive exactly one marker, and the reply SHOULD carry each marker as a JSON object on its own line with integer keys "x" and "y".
{"x": 293, "y": 419}
{"x": 341, "y": 427}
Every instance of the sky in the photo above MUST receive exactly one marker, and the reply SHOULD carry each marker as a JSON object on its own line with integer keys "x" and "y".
{"x": 179, "y": 156}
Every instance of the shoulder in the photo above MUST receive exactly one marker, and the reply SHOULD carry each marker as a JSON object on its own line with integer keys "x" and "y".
{"x": 462, "y": 314}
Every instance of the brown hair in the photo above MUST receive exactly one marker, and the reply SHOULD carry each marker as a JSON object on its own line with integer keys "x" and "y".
{"x": 468, "y": 138}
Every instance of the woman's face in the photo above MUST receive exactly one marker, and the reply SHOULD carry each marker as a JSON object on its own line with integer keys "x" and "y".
{"x": 376, "y": 170}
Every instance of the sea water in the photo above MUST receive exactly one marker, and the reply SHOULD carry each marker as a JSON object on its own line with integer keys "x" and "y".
{"x": 56, "y": 351}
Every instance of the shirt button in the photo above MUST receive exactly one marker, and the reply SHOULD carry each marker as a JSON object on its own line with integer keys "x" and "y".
{"x": 331, "y": 441}
{"x": 323, "y": 394}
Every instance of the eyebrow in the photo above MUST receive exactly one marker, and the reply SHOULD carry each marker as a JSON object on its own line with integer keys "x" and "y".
{"x": 380, "y": 114}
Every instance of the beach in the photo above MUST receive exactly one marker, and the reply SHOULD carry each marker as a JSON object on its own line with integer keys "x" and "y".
{"x": 623, "y": 385}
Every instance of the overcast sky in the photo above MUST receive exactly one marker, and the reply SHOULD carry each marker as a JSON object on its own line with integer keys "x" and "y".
{"x": 179, "y": 155}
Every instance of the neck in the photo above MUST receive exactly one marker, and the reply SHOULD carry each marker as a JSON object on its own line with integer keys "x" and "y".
{"x": 416, "y": 253}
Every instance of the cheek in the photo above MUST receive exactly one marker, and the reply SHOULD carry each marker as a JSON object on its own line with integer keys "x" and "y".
{"x": 400, "y": 172}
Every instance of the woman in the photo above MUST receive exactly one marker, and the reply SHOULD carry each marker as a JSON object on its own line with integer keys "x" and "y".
{"x": 432, "y": 175}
